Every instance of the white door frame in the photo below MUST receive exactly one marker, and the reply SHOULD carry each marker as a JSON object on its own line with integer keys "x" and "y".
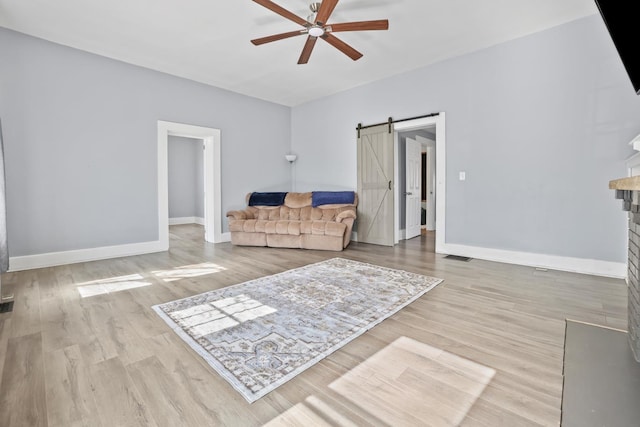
{"x": 212, "y": 162}
{"x": 439, "y": 122}
{"x": 430, "y": 190}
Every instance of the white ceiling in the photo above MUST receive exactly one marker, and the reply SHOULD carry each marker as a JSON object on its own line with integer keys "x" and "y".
{"x": 208, "y": 40}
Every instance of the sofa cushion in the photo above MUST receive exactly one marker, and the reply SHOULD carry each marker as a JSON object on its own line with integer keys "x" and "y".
{"x": 290, "y": 213}
{"x": 328, "y": 214}
{"x": 260, "y": 226}
{"x": 323, "y": 228}
{"x": 236, "y": 224}
{"x": 316, "y": 214}
{"x": 268, "y": 213}
{"x": 297, "y": 200}
{"x": 286, "y": 227}
{"x": 248, "y": 225}
{"x": 264, "y": 226}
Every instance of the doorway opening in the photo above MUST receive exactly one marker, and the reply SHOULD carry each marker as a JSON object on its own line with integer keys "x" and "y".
{"x": 416, "y": 164}
{"x": 212, "y": 188}
{"x": 428, "y": 134}
{"x": 186, "y": 184}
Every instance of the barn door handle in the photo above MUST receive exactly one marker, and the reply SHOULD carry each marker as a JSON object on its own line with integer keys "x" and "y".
{"x": 389, "y": 185}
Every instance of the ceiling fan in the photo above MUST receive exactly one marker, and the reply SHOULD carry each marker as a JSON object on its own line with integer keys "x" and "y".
{"x": 315, "y": 26}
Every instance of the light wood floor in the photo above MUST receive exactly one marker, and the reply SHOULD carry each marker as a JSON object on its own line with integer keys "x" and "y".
{"x": 485, "y": 348}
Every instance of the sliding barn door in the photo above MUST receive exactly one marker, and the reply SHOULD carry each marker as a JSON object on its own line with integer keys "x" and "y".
{"x": 375, "y": 185}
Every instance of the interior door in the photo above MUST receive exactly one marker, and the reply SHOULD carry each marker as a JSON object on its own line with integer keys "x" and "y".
{"x": 431, "y": 188}
{"x": 413, "y": 194}
{"x": 375, "y": 185}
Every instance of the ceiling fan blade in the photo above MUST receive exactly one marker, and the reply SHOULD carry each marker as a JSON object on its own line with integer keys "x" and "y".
{"x": 342, "y": 46}
{"x": 282, "y": 12}
{"x": 307, "y": 49}
{"x": 326, "y": 8}
{"x": 275, "y": 37}
{"x": 381, "y": 24}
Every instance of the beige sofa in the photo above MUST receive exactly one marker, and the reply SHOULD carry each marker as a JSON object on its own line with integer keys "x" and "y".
{"x": 294, "y": 224}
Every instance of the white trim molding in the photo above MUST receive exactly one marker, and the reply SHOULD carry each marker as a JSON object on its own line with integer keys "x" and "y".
{"x": 186, "y": 220}
{"x": 594, "y": 267}
{"x": 635, "y": 143}
{"x": 212, "y": 184}
{"x": 441, "y": 173}
{"x": 52, "y": 259}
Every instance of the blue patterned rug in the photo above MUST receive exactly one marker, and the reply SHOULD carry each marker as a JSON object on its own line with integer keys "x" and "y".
{"x": 260, "y": 334}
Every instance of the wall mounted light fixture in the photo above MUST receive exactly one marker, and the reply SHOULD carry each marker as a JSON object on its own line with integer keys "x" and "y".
{"x": 291, "y": 157}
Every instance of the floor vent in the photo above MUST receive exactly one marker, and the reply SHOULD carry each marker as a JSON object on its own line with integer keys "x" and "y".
{"x": 458, "y": 258}
{"x": 6, "y": 307}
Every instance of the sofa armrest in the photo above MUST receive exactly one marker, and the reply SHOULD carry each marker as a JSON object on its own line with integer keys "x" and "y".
{"x": 245, "y": 214}
{"x": 348, "y": 213}
{"x": 347, "y": 235}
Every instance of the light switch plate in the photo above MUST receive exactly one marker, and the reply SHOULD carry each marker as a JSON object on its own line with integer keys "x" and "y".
{"x": 463, "y": 175}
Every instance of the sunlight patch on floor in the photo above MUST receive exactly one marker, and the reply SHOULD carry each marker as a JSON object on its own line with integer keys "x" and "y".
{"x": 409, "y": 382}
{"x": 188, "y": 271}
{"x": 215, "y": 316}
{"x": 132, "y": 281}
{"x": 299, "y": 415}
{"x": 111, "y": 284}
{"x": 312, "y": 412}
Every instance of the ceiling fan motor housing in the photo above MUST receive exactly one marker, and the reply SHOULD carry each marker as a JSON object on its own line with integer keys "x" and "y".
{"x": 311, "y": 19}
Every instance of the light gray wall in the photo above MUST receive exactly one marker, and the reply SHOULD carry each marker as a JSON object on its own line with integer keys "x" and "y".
{"x": 539, "y": 124}
{"x": 186, "y": 177}
{"x": 80, "y": 134}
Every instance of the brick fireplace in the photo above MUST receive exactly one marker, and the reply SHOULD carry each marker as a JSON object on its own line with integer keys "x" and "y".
{"x": 628, "y": 190}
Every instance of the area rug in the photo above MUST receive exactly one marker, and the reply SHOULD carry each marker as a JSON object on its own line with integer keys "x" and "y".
{"x": 259, "y": 334}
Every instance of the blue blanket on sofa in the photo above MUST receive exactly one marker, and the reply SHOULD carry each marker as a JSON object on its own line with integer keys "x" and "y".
{"x": 332, "y": 198}
{"x": 267, "y": 199}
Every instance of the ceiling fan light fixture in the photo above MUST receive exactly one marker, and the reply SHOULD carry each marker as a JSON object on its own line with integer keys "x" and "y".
{"x": 316, "y": 31}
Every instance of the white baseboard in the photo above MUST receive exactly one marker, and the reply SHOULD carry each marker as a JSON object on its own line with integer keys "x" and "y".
{"x": 51, "y": 259}
{"x": 186, "y": 220}
{"x": 553, "y": 262}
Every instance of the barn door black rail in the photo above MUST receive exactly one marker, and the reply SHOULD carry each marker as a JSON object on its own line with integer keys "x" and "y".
{"x": 391, "y": 121}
